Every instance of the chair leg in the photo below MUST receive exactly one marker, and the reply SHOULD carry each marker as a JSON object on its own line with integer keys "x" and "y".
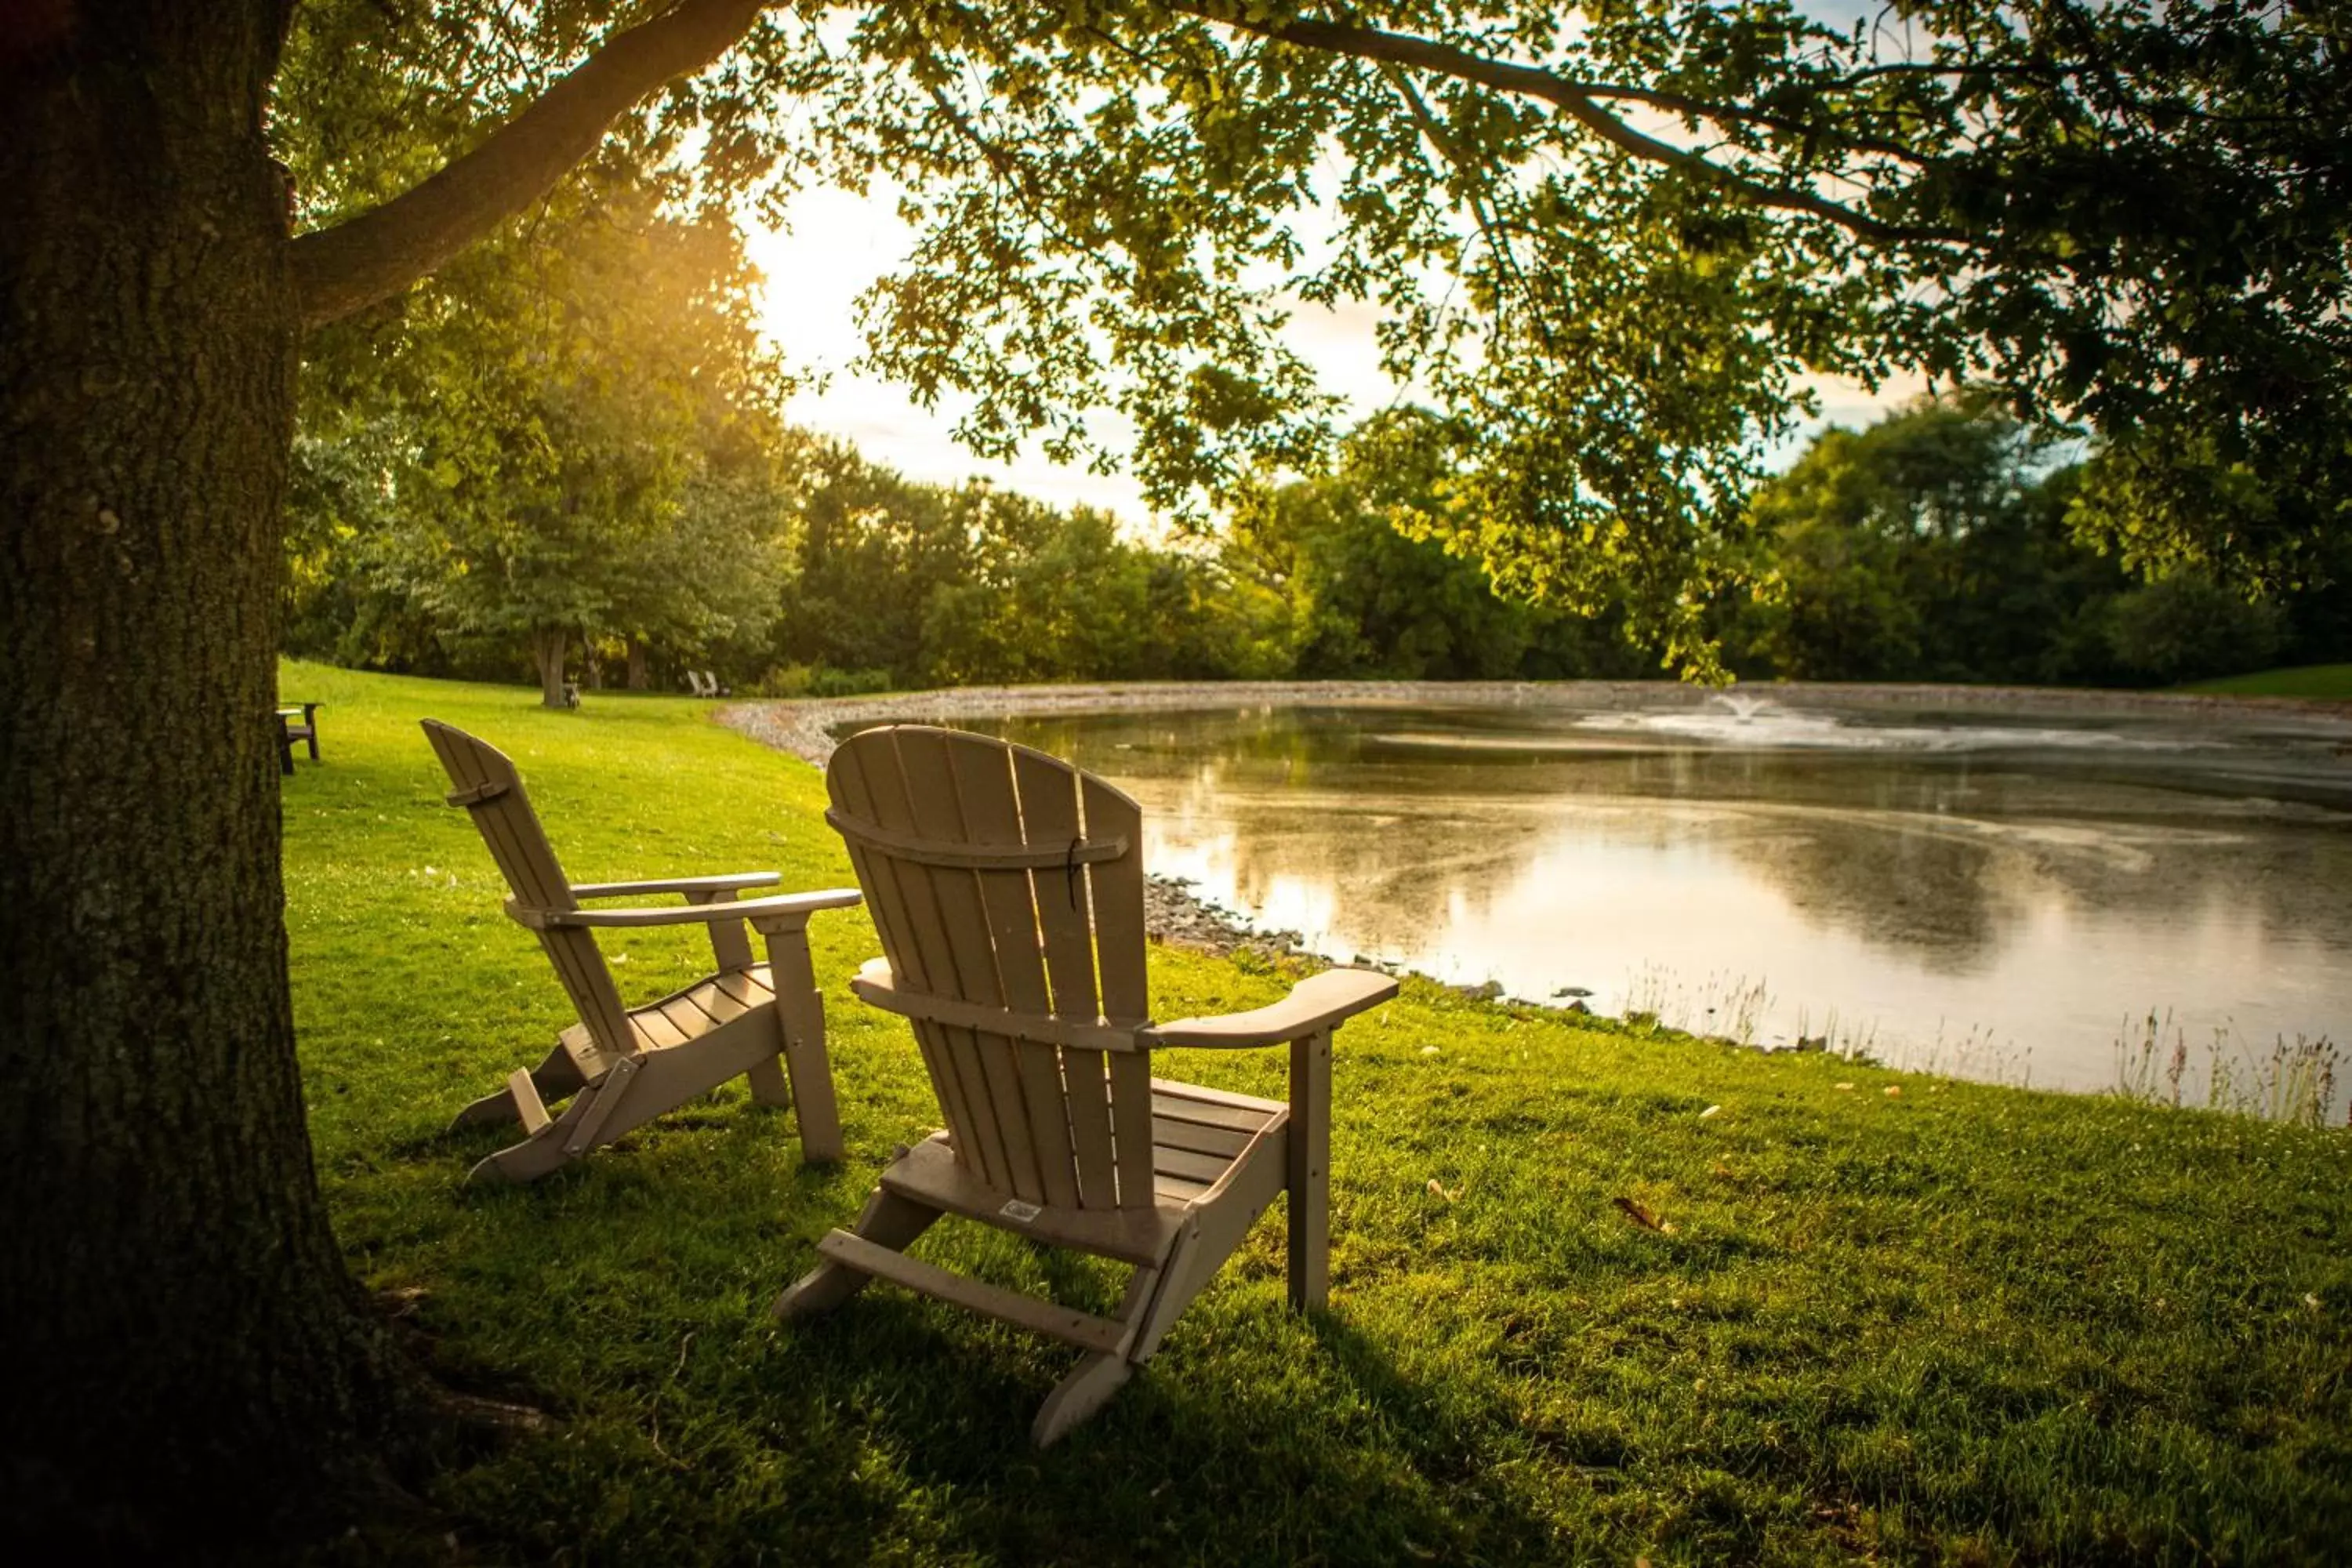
{"x": 1309, "y": 1183}
{"x": 1098, "y": 1376}
{"x": 549, "y": 1146}
{"x": 1163, "y": 1294}
{"x": 1079, "y": 1396}
{"x": 768, "y": 1084}
{"x": 555, "y": 1077}
{"x": 888, "y": 1220}
{"x": 534, "y": 1157}
{"x": 766, "y": 1078}
{"x": 799, "y": 1013}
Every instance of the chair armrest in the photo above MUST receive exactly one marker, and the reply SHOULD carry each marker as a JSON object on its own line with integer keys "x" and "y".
{"x": 1314, "y": 1004}
{"x": 727, "y": 884}
{"x": 800, "y": 904}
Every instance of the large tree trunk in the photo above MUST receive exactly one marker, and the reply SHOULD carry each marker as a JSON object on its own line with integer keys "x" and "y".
{"x": 180, "y": 1326}
{"x": 549, "y": 648}
{"x": 640, "y": 677}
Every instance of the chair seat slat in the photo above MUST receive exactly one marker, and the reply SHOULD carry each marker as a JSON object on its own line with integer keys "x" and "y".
{"x": 1194, "y": 1167}
{"x": 1198, "y": 1102}
{"x": 1198, "y": 1137}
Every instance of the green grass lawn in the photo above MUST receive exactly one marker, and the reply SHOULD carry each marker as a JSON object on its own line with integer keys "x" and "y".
{"x": 1952, "y": 1323}
{"x": 2323, "y": 680}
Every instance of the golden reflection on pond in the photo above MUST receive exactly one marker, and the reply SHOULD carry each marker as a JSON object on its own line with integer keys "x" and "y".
{"x": 1997, "y": 897}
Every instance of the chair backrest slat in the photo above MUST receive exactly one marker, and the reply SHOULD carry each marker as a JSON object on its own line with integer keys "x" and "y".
{"x": 1049, "y": 814}
{"x": 509, "y": 828}
{"x": 992, "y": 816}
{"x": 845, "y": 780}
{"x": 1062, "y": 1126}
{"x": 1048, "y": 793}
{"x": 937, "y": 813}
{"x": 1116, "y": 890}
{"x": 921, "y": 956}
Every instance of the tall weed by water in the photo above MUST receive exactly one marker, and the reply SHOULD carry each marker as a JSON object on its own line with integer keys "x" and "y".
{"x": 1837, "y": 1035}
{"x": 1735, "y": 1008}
{"x": 2289, "y": 1082}
{"x": 1723, "y": 1006}
{"x": 1979, "y": 1051}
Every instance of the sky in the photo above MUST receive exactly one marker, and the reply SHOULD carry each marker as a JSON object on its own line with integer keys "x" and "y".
{"x": 839, "y": 243}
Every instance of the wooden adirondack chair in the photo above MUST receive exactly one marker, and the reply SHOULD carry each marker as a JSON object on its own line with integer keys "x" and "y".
{"x": 1008, "y": 887}
{"x": 625, "y": 1065}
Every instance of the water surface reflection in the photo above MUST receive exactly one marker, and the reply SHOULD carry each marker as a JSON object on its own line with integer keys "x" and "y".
{"x": 1986, "y": 893}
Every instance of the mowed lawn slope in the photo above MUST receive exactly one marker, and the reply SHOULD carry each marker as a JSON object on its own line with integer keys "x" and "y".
{"x": 2331, "y": 682}
{"x": 1951, "y": 1324}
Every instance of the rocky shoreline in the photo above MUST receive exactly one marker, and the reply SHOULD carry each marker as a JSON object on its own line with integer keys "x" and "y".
{"x": 1175, "y": 914}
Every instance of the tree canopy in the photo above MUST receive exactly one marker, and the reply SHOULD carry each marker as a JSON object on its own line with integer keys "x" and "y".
{"x": 1610, "y": 242}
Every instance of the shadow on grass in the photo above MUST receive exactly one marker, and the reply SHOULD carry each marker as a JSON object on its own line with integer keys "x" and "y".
{"x": 1255, "y": 1437}
{"x": 630, "y": 1294}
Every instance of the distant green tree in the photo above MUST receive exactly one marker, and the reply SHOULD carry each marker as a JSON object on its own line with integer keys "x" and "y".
{"x": 704, "y": 587}
{"x": 1050, "y": 596}
{"x": 566, "y": 435}
{"x": 1934, "y": 545}
{"x": 1832, "y": 606}
{"x": 977, "y": 584}
{"x": 1363, "y": 599}
{"x": 869, "y": 550}
{"x": 2186, "y": 627}
{"x": 1370, "y": 592}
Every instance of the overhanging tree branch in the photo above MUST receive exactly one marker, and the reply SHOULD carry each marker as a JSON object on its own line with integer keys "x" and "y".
{"x": 1579, "y": 101}
{"x": 1481, "y": 209}
{"x": 379, "y": 252}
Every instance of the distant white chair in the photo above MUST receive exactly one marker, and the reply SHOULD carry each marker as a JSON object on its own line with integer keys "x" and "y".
{"x": 705, "y": 683}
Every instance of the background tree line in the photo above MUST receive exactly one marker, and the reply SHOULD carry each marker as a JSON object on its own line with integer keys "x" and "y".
{"x": 581, "y": 502}
{"x": 1948, "y": 542}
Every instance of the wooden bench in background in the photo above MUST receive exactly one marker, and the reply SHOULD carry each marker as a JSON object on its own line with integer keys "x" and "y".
{"x": 299, "y": 722}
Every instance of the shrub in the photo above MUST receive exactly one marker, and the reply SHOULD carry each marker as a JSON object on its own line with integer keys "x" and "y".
{"x": 2187, "y": 628}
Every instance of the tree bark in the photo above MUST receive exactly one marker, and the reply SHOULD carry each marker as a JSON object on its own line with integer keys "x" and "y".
{"x": 548, "y": 647}
{"x": 640, "y": 678}
{"x": 184, "y": 1340}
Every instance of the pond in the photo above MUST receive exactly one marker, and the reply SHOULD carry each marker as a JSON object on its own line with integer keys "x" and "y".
{"x": 1994, "y": 892}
